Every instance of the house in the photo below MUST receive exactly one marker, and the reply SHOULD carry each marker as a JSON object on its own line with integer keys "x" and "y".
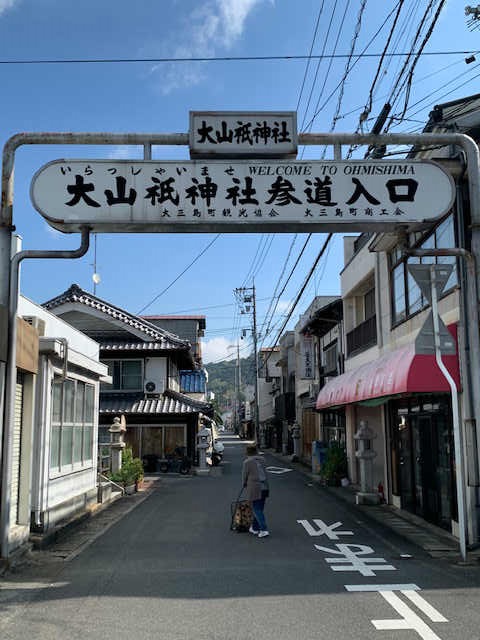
{"x": 191, "y": 328}
{"x": 54, "y": 461}
{"x": 318, "y": 339}
{"x": 147, "y": 364}
{"x": 285, "y": 413}
{"x": 269, "y": 375}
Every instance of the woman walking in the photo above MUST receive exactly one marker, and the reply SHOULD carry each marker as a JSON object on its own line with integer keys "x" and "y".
{"x": 255, "y": 481}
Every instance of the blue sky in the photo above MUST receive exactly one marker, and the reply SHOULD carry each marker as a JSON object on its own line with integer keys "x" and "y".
{"x": 157, "y": 97}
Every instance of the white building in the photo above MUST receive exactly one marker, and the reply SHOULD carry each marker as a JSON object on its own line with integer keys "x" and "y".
{"x": 54, "y": 465}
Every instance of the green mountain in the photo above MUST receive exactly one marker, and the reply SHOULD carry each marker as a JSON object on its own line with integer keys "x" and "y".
{"x": 222, "y": 376}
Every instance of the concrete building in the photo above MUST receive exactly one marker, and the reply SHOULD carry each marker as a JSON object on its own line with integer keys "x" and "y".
{"x": 392, "y": 381}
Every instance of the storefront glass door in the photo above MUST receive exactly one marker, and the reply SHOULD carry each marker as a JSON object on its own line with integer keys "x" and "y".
{"x": 423, "y": 455}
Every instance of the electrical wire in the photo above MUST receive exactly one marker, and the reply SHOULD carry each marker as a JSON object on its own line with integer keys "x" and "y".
{"x": 326, "y": 56}
{"x": 268, "y": 330}
{"x": 426, "y": 38}
{"x": 179, "y": 275}
{"x": 360, "y": 56}
{"x": 302, "y": 289}
{"x": 278, "y": 282}
{"x": 318, "y": 66}
{"x": 320, "y": 11}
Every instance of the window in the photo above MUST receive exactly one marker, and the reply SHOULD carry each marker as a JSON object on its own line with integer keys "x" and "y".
{"x": 369, "y": 301}
{"x": 330, "y": 355}
{"x": 127, "y": 375}
{"x": 71, "y": 443}
{"x": 407, "y": 298}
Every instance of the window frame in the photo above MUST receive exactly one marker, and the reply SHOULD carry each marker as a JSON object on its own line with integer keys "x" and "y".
{"x": 412, "y": 306}
{"x": 71, "y": 438}
{"x": 120, "y": 361}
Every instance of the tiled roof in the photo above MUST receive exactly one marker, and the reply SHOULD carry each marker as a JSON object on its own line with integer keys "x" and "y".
{"x": 152, "y": 332}
{"x": 136, "y": 346}
{"x": 193, "y": 381}
{"x": 170, "y": 402}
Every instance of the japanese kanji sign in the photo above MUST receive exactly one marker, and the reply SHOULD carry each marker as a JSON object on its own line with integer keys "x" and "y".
{"x": 241, "y": 134}
{"x": 239, "y": 196}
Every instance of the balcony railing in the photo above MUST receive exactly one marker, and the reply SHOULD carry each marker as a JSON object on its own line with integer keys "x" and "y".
{"x": 363, "y": 336}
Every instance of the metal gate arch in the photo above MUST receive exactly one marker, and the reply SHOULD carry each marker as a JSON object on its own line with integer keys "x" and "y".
{"x": 9, "y": 267}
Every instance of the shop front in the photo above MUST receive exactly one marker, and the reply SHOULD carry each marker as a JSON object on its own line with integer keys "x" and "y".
{"x": 414, "y": 398}
{"x": 422, "y": 458}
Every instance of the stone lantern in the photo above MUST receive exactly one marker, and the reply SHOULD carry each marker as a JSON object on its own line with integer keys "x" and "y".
{"x": 296, "y": 441}
{"x": 204, "y": 439}
{"x": 117, "y": 445}
{"x": 365, "y": 455}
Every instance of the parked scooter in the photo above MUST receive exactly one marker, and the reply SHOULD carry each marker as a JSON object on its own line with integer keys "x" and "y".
{"x": 217, "y": 452}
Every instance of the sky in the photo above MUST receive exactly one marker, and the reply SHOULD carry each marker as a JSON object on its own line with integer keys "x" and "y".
{"x": 122, "y": 67}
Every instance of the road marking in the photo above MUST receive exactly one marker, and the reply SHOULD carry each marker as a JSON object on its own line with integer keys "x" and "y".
{"x": 278, "y": 470}
{"x": 352, "y": 561}
{"x": 409, "y": 620}
{"x": 324, "y": 529}
{"x": 381, "y": 587}
{"x": 424, "y": 606}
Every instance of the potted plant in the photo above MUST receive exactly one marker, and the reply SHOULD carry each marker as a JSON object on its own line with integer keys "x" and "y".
{"x": 335, "y": 466}
{"x": 131, "y": 473}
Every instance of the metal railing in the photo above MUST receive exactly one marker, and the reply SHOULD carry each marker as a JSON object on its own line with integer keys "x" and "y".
{"x": 363, "y": 336}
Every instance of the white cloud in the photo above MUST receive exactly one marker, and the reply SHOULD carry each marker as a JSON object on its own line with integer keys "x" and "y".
{"x": 217, "y": 349}
{"x": 283, "y": 306}
{"x": 123, "y": 153}
{"x": 218, "y": 24}
{"x": 6, "y": 4}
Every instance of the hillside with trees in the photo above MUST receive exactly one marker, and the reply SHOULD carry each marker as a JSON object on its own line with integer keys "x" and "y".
{"x": 222, "y": 376}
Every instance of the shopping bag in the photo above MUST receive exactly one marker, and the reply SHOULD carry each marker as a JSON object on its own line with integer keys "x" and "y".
{"x": 242, "y": 515}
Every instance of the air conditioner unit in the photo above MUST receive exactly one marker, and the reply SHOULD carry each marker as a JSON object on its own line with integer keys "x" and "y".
{"x": 150, "y": 386}
{"x": 37, "y": 323}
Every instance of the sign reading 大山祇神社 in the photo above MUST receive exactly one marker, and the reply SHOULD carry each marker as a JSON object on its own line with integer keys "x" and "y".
{"x": 239, "y": 195}
{"x": 238, "y": 134}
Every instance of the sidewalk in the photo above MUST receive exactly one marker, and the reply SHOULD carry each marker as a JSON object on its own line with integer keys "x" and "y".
{"x": 435, "y": 541}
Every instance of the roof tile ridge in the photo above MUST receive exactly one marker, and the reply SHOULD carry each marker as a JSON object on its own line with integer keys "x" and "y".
{"x": 76, "y": 290}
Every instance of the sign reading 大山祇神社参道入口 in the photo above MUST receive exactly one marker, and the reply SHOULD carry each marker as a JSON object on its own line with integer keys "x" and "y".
{"x": 239, "y": 196}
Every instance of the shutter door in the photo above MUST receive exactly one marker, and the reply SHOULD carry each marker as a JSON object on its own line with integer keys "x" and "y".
{"x": 16, "y": 448}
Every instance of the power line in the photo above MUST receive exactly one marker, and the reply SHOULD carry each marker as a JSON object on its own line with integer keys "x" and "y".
{"x": 359, "y": 57}
{"x": 326, "y": 56}
{"x": 310, "y": 54}
{"x": 268, "y": 329}
{"x": 426, "y": 38}
{"x": 180, "y": 274}
{"x": 300, "y": 293}
{"x": 318, "y": 65}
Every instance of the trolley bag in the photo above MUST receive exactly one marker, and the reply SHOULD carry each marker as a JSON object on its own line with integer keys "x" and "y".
{"x": 242, "y": 515}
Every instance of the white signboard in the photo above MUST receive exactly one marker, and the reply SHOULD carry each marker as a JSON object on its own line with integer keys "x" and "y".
{"x": 241, "y": 196}
{"x": 243, "y": 134}
{"x": 307, "y": 357}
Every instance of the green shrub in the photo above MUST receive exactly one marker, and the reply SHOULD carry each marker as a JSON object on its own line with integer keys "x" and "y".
{"x": 131, "y": 471}
{"x": 335, "y": 466}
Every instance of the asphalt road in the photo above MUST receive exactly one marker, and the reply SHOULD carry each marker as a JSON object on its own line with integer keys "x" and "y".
{"x": 171, "y": 568}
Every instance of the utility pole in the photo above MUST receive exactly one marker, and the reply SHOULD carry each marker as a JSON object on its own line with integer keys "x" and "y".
{"x": 247, "y": 300}
{"x": 239, "y": 387}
